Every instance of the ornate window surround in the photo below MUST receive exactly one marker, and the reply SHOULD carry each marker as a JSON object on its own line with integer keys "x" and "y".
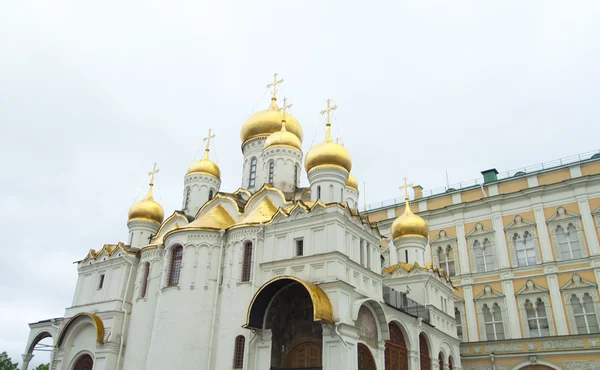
{"x": 563, "y": 218}
{"x": 533, "y": 292}
{"x": 460, "y": 306}
{"x": 579, "y": 287}
{"x": 490, "y": 296}
{"x": 444, "y": 240}
{"x": 596, "y": 216}
{"x": 480, "y": 233}
{"x": 519, "y": 226}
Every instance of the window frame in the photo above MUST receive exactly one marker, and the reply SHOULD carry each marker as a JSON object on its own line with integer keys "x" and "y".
{"x": 491, "y": 297}
{"x": 533, "y": 293}
{"x": 175, "y": 265}
{"x": 444, "y": 241}
{"x": 246, "y": 273}
{"x": 299, "y": 247}
{"x": 252, "y": 172}
{"x": 460, "y": 322}
{"x": 238, "y": 352}
{"x": 563, "y": 219}
{"x": 271, "y": 172}
{"x": 101, "y": 280}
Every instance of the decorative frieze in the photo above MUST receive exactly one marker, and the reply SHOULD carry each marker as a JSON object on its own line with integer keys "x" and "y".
{"x": 582, "y": 365}
{"x": 562, "y": 344}
{"x": 504, "y": 347}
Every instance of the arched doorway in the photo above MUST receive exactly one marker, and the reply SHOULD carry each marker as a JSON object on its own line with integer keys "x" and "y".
{"x": 396, "y": 350}
{"x": 424, "y": 352}
{"x": 304, "y": 355}
{"x": 365, "y": 358}
{"x": 84, "y": 362}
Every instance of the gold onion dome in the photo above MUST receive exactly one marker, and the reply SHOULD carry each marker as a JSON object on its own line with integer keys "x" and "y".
{"x": 328, "y": 154}
{"x": 147, "y": 209}
{"x": 409, "y": 224}
{"x": 266, "y": 122}
{"x": 352, "y": 183}
{"x": 205, "y": 166}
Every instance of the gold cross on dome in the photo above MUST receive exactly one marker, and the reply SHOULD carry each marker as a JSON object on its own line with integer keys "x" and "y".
{"x": 405, "y": 187}
{"x": 274, "y": 85}
{"x": 207, "y": 139}
{"x": 153, "y": 173}
{"x": 285, "y": 106}
{"x": 328, "y": 111}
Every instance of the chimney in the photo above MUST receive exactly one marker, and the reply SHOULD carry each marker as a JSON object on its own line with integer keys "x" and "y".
{"x": 418, "y": 190}
{"x": 490, "y": 175}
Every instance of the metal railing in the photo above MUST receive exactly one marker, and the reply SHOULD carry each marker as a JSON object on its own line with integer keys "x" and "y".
{"x": 478, "y": 181}
{"x": 400, "y": 301}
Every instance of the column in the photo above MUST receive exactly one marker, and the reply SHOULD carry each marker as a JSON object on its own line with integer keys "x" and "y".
{"x": 543, "y": 236}
{"x": 26, "y": 358}
{"x": 511, "y": 309}
{"x": 588, "y": 225}
{"x": 465, "y": 264}
{"x": 471, "y": 316}
{"x": 501, "y": 247}
{"x": 558, "y": 309}
{"x": 414, "y": 360}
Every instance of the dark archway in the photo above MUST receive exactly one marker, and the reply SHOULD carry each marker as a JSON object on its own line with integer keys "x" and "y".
{"x": 396, "y": 350}
{"x": 84, "y": 362}
{"x": 365, "y": 358}
{"x": 424, "y": 352}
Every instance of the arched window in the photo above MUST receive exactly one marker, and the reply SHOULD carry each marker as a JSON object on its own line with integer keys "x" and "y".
{"x": 252, "y": 178}
{"x": 450, "y": 363}
{"x": 441, "y": 360}
{"x": 568, "y": 242}
{"x": 459, "y": 327}
{"x": 331, "y": 193}
{"x": 494, "y": 328}
{"x": 271, "y": 172}
{"x": 396, "y": 351}
{"x": 537, "y": 320}
{"x": 406, "y": 256}
{"x": 424, "y": 352}
{"x": 446, "y": 259}
{"x": 188, "y": 195}
{"x": 85, "y": 362}
{"x": 341, "y": 195}
{"x": 238, "y": 352}
{"x": 211, "y": 194}
{"x": 145, "y": 277}
{"x": 585, "y": 316}
{"x": 484, "y": 260}
{"x": 175, "y": 271}
{"x": 525, "y": 249}
{"x": 319, "y": 192}
{"x": 247, "y": 263}
{"x": 296, "y": 170}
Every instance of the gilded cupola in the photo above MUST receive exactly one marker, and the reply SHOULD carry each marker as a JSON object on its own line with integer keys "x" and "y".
{"x": 147, "y": 209}
{"x": 352, "y": 183}
{"x": 205, "y": 165}
{"x": 328, "y": 153}
{"x": 283, "y": 137}
{"x": 267, "y": 122}
{"x": 409, "y": 224}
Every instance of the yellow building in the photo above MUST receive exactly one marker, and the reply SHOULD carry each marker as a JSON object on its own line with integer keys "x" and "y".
{"x": 524, "y": 254}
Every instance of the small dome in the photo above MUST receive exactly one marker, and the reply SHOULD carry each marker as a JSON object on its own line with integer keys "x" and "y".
{"x": 352, "y": 183}
{"x": 409, "y": 224}
{"x": 328, "y": 153}
{"x": 147, "y": 209}
{"x": 268, "y": 121}
{"x": 283, "y": 137}
{"x": 205, "y": 166}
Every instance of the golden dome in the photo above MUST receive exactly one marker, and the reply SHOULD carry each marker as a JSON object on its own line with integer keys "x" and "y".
{"x": 328, "y": 154}
{"x": 283, "y": 137}
{"x": 268, "y": 121}
{"x": 147, "y": 209}
{"x": 352, "y": 183}
{"x": 409, "y": 224}
{"x": 205, "y": 166}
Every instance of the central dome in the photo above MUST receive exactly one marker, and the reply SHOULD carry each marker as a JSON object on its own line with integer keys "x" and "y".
{"x": 266, "y": 122}
{"x": 328, "y": 154}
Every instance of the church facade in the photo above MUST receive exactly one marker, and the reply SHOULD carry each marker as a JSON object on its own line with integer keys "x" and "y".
{"x": 271, "y": 276}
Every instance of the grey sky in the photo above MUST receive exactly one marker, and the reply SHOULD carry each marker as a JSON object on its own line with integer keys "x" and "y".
{"x": 92, "y": 94}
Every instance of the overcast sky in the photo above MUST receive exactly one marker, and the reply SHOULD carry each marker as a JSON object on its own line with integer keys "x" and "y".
{"x": 92, "y": 94}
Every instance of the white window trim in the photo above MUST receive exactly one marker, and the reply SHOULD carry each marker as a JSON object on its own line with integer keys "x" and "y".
{"x": 490, "y": 297}
{"x": 444, "y": 240}
{"x": 564, "y": 220}
{"x": 533, "y": 292}
{"x": 461, "y": 309}
{"x": 480, "y": 233}
{"x": 519, "y": 226}
{"x": 579, "y": 287}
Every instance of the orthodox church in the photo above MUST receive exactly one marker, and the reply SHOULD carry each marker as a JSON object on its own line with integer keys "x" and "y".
{"x": 271, "y": 276}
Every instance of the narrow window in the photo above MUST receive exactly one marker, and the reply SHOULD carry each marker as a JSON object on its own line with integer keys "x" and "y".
{"x": 537, "y": 321}
{"x": 252, "y": 178}
{"x": 362, "y": 253}
{"x": 585, "y": 316}
{"x": 238, "y": 352}
{"x": 299, "y": 247}
{"x": 330, "y": 193}
{"x": 406, "y": 256}
{"x": 188, "y": 195}
{"x": 493, "y": 322}
{"x": 341, "y": 195}
{"x": 524, "y": 249}
{"x": 211, "y": 194}
{"x": 319, "y": 192}
{"x": 368, "y": 250}
{"x": 101, "y": 281}
{"x": 459, "y": 327}
{"x": 271, "y": 172}
{"x": 175, "y": 271}
{"x": 130, "y": 238}
{"x": 296, "y": 170}
{"x": 145, "y": 277}
{"x": 247, "y": 263}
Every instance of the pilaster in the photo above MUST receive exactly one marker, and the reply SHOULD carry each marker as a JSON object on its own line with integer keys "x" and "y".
{"x": 511, "y": 306}
{"x": 542, "y": 230}
{"x": 463, "y": 254}
{"x": 471, "y": 316}
{"x": 557, "y": 304}
{"x": 501, "y": 248}
{"x": 588, "y": 225}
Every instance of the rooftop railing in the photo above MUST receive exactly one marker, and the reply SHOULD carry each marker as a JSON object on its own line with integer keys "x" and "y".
{"x": 400, "y": 301}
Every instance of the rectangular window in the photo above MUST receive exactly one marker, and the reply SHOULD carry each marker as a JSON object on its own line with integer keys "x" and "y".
{"x": 368, "y": 250}
{"x": 101, "y": 282}
{"x": 299, "y": 247}
{"x": 362, "y": 253}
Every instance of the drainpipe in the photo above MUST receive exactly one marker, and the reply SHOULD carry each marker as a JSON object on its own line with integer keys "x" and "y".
{"x": 124, "y": 311}
{"x": 337, "y": 331}
{"x": 492, "y": 355}
{"x": 214, "y": 311}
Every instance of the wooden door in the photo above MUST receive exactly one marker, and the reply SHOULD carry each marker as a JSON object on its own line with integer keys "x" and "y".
{"x": 304, "y": 355}
{"x": 84, "y": 362}
{"x": 365, "y": 358}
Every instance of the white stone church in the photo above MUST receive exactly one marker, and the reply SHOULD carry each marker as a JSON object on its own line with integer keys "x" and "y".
{"x": 271, "y": 276}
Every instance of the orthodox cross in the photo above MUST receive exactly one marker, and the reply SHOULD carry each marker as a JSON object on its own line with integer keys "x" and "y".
{"x": 153, "y": 173}
{"x": 150, "y": 238}
{"x": 285, "y": 106}
{"x": 207, "y": 139}
{"x": 328, "y": 111}
{"x": 274, "y": 85}
{"x": 405, "y": 187}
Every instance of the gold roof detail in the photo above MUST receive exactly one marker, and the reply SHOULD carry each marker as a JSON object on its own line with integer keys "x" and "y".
{"x": 283, "y": 137}
{"x": 205, "y": 165}
{"x": 95, "y": 319}
{"x": 262, "y": 213}
{"x": 147, "y": 209}
{"x": 215, "y": 219}
{"x": 328, "y": 153}
{"x": 266, "y": 122}
{"x": 352, "y": 183}
{"x": 415, "y": 266}
{"x": 409, "y": 224}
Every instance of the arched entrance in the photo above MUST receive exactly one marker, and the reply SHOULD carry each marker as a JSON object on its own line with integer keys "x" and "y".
{"x": 84, "y": 362}
{"x": 396, "y": 350}
{"x": 424, "y": 352}
{"x": 365, "y": 358}
{"x": 304, "y": 355}
{"x": 536, "y": 367}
